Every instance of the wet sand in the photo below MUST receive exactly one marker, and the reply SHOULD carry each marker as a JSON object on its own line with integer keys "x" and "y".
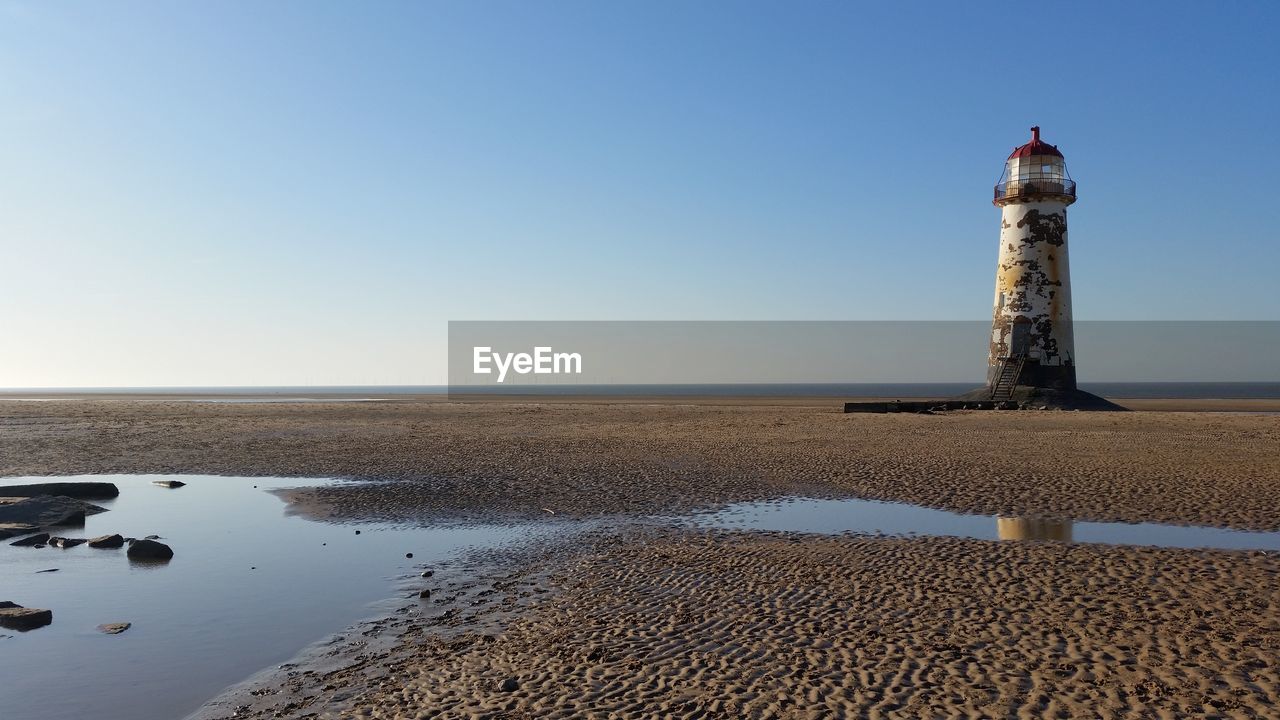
{"x": 655, "y": 621}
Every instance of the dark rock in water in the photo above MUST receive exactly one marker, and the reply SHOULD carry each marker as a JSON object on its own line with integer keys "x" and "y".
{"x": 64, "y": 543}
{"x": 20, "y": 618}
{"x": 149, "y": 550}
{"x": 151, "y": 537}
{"x": 426, "y": 593}
{"x": 47, "y": 571}
{"x": 509, "y": 685}
{"x": 46, "y": 510}
{"x": 106, "y": 541}
{"x": 81, "y": 490}
{"x": 357, "y": 532}
{"x": 114, "y": 628}
{"x": 408, "y": 555}
{"x": 8, "y": 530}
{"x": 172, "y": 484}
{"x": 37, "y": 539}
{"x": 8, "y": 604}
{"x": 428, "y": 573}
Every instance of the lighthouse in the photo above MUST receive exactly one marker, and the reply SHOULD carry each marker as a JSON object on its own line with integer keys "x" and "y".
{"x": 1032, "y": 346}
{"x": 1031, "y": 357}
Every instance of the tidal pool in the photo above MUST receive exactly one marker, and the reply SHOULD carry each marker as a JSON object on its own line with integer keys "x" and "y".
{"x": 249, "y": 586}
{"x": 813, "y": 515}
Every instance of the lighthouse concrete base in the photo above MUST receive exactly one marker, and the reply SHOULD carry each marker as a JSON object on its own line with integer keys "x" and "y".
{"x": 1024, "y": 398}
{"x": 1047, "y": 398}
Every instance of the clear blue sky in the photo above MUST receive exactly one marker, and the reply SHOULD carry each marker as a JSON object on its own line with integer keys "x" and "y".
{"x": 305, "y": 192}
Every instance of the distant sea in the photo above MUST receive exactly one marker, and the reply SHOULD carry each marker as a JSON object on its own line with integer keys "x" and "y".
{"x": 1171, "y": 390}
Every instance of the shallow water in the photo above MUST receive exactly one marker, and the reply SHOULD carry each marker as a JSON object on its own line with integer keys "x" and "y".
{"x": 248, "y": 587}
{"x": 871, "y": 516}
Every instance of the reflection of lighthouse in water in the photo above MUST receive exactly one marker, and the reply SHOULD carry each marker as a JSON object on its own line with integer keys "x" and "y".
{"x": 1033, "y": 528}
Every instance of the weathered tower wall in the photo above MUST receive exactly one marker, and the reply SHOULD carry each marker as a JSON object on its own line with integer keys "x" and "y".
{"x": 1032, "y": 315}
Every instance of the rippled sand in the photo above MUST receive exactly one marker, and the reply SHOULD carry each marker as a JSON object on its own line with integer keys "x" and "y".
{"x": 729, "y": 625}
{"x": 658, "y": 622}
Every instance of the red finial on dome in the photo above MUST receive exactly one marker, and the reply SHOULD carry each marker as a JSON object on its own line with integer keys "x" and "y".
{"x": 1035, "y": 147}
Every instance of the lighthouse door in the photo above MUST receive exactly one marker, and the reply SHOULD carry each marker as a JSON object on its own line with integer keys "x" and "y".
{"x": 1020, "y": 342}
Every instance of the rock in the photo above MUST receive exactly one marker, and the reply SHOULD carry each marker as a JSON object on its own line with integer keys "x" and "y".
{"x": 47, "y": 571}
{"x": 20, "y": 618}
{"x": 45, "y": 510}
{"x": 426, "y": 593}
{"x": 81, "y": 490}
{"x": 151, "y": 537}
{"x": 114, "y": 628}
{"x": 106, "y": 541}
{"x": 408, "y": 555}
{"x": 171, "y": 484}
{"x": 8, "y": 604}
{"x": 509, "y": 685}
{"x": 64, "y": 543}
{"x": 428, "y": 573}
{"x": 37, "y": 539}
{"x": 149, "y": 550}
{"x": 8, "y": 530}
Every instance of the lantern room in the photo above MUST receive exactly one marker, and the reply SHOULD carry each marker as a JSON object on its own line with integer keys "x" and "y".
{"x": 1035, "y": 171}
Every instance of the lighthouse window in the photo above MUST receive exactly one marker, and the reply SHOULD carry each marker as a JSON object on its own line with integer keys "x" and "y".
{"x": 1046, "y": 169}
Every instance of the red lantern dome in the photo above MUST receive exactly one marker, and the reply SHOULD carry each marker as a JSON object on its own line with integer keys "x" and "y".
{"x": 1035, "y": 147}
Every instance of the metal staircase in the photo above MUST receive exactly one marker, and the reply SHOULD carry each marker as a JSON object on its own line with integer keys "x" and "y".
{"x": 1007, "y": 378}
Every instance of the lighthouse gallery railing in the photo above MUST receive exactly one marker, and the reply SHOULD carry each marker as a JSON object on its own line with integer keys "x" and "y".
{"x": 1025, "y": 188}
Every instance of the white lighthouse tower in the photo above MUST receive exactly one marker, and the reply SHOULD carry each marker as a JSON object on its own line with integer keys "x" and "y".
{"x": 1032, "y": 345}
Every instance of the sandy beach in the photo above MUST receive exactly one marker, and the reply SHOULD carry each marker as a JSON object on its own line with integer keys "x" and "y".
{"x": 642, "y": 619}
{"x": 464, "y": 459}
{"x": 730, "y": 625}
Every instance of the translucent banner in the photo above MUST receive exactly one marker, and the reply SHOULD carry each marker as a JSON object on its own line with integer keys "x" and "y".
{"x": 603, "y": 356}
